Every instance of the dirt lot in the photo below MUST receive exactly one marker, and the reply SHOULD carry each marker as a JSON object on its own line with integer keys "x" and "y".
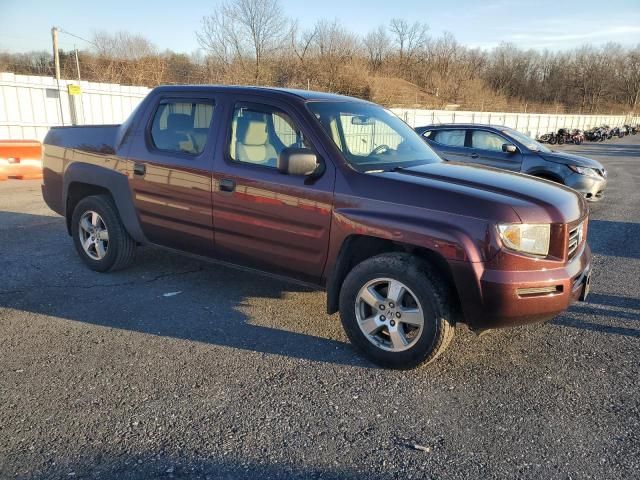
{"x": 242, "y": 376}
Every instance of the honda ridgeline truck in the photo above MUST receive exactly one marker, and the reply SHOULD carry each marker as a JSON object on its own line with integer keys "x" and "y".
{"x": 328, "y": 190}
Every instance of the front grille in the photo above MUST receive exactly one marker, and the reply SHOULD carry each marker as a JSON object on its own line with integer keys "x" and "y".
{"x": 575, "y": 238}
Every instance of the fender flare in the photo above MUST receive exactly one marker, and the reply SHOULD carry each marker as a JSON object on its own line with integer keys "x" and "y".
{"x": 118, "y": 186}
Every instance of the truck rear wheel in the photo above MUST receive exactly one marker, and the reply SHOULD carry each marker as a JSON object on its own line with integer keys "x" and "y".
{"x": 99, "y": 235}
{"x": 397, "y": 310}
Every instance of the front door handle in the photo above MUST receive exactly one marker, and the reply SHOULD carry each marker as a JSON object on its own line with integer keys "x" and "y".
{"x": 474, "y": 155}
{"x": 227, "y": 185}
{"x": 139, "y": 169}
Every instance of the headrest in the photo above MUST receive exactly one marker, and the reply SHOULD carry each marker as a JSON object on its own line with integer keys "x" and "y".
{"x": 179, "y": 122}
{"x": 252, "y": 129}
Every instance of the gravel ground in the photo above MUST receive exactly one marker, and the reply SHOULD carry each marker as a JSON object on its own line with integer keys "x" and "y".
{"x": 243, "y": 376}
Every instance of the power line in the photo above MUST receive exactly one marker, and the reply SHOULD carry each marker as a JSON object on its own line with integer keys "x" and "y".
{"x": 77, "y": 36}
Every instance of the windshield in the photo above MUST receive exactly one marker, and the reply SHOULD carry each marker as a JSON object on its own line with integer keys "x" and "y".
{"x": 371, "y": 137}
{"x": 528, "y": 142}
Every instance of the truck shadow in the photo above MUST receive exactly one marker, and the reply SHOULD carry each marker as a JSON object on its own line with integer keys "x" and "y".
{"x": 216, "y": 305}
{"x": 147, "y": 466}
{"x": 614, "y": 239}
{"x": 567, "y": 321}
{"x": 610, "y": 309}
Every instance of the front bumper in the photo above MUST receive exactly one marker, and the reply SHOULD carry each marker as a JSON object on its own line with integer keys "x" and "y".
{"x": 591, "y": 187}
{"x": 496, "y": 298}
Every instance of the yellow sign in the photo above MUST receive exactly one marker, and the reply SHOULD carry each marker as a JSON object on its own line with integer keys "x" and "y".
{"x": 74, "y": 89}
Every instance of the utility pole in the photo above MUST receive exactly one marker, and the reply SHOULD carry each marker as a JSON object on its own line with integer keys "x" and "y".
{"x": 56, "y": 54}
{"x": 56, "y": 63}
{"x": 77, "y": 64}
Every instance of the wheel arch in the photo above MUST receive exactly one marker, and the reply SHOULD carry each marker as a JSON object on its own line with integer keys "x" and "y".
{"x": 82, "y": 180}
{"x": 358, "y": 248}
{"x": 547, "y": 175}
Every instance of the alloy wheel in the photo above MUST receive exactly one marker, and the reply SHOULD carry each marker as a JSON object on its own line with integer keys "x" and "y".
{"x": 389, "y": 314}
{"x": 94, "y": 236}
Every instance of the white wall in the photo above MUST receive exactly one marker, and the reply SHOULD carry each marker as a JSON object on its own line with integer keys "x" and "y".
{"x": 30, "y": 105}
{"x": 532, "y": 124}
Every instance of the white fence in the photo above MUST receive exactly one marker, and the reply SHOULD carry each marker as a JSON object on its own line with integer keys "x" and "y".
{"x": 30, "y": 105}
{"x": 532, "y": 124}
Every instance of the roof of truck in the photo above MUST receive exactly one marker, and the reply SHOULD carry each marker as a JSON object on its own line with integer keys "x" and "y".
{"x": 269, "y": 91}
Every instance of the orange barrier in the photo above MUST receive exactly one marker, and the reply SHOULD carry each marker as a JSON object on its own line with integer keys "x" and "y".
{"x": 20, "y": 159}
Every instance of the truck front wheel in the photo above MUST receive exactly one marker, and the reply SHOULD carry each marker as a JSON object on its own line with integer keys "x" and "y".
{"x": 397, "y": 310}
{"x": 99, "y": 236}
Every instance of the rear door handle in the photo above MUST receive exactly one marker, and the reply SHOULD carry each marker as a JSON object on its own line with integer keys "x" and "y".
{"x": 474, "y": 155}
{"x": 139, "y": 169}
{"x": 227, "y": 185}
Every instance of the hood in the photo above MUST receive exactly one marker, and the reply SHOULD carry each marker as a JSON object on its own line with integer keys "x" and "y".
{"x": 489, "y": 193}
{"x": 570, "y": 159}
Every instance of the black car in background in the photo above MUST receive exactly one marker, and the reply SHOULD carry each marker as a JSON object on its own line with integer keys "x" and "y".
{"x": 505, "y": 148}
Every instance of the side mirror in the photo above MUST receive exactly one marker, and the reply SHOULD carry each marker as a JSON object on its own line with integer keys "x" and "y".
{"x": 298, "y": 161}
{"x": 508, "y": 148}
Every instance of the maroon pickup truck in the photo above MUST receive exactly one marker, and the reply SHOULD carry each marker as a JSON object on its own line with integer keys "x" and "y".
{"x": 329, "y": 190}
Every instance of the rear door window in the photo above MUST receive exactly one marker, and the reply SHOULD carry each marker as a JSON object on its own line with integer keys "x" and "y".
{"x": 483, "y": 140}
{"x": 450, "y": 138}
{"x": 182, "y": 126}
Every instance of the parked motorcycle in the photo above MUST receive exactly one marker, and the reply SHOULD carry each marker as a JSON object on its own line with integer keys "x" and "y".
{"x": 577, "y": 137}
{"x": 550, "y": 138}
{"x": 562, "y": 136}
{"x": 595, "y": 134}
{"x": 616, "y": 132}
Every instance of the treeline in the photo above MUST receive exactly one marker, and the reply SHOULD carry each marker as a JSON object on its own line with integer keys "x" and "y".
{"x": 254, "y": 42}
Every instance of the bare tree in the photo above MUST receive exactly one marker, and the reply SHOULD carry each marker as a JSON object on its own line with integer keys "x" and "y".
{"x": 409, "y": 38}
{"x": 628, "y": 71}
{"x": 377, "y": 44}
{"x": 244, "y": 28}
{"x": 124, "y": 57}
{"x": 301, "y": 43}
{"x": 251, "y": 41}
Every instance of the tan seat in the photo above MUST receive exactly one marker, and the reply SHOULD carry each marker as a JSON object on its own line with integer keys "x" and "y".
{"x": 252, "y": 140}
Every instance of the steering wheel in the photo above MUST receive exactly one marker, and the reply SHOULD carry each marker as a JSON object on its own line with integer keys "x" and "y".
{"x": 380, "y": 149}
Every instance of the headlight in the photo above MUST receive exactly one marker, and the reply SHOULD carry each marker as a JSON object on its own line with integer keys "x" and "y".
{"x": 589, "y": 172}
{"x": 526, "y": 237}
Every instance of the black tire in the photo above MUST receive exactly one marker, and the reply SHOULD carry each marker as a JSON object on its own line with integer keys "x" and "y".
{"x": 553, "y": 140}
{"x": 121, "y": 249}
{"x": 560, "y": 140}
{"x": 434, "y": 293}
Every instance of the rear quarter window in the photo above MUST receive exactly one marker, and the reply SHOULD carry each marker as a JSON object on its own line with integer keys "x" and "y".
{"x": 181, "y": 126}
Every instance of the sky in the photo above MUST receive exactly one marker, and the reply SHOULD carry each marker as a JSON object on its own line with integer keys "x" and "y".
{"x": 555, "y": 25}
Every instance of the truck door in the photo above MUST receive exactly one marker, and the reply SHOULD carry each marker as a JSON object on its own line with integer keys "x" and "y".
{"x": 170, "y": 173}
{"x": 263, "y": 218}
